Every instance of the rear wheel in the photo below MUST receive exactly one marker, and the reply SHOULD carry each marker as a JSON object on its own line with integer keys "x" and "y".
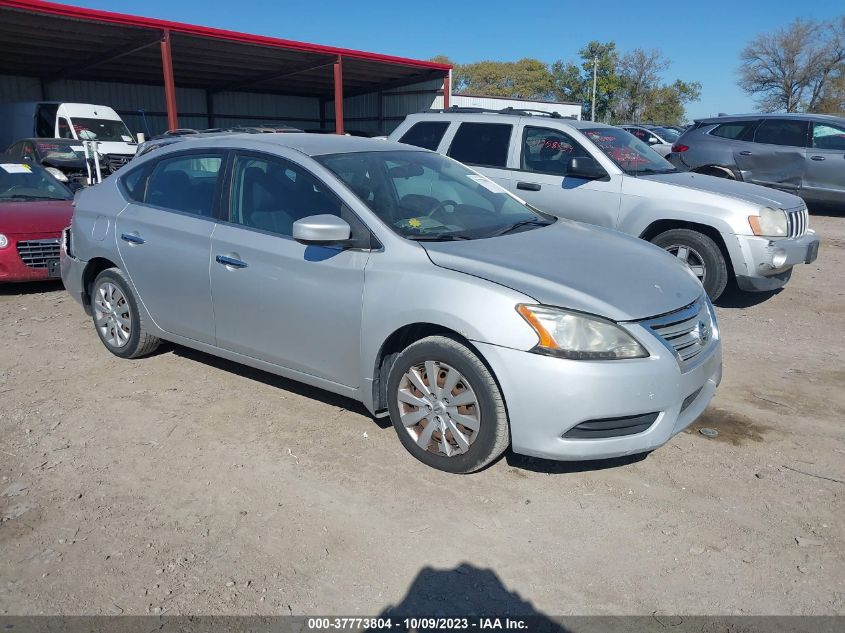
{"x": 701, "y": 254}
{"x": 446, "y": 406}
{"x": 116, "y": 317}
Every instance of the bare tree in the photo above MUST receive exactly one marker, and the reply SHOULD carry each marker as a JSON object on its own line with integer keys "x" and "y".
{"x": 640, "y": 72}
{"x": 791, "y": 68}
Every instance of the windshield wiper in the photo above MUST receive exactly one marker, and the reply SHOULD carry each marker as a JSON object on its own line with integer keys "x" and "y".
{"x": 438, "y": 237}
{"x": 23, "y": 196}
{"x": 516, "y": 225}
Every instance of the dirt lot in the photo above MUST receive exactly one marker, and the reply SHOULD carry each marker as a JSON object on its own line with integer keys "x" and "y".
{"x": 184, "y": 484}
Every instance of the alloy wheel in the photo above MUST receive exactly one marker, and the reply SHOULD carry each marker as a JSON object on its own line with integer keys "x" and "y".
{"x": 691, "y": 258}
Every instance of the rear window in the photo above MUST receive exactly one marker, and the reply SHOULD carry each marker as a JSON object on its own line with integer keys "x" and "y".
{"x": 736, "y": 130}
{"x": 426, "y": 134}
{"x": 484, "y": 144}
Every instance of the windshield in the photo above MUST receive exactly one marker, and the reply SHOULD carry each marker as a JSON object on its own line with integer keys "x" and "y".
{"x": 629, "y": 153}
{"x": 21, "y": 181}
{"x": 102, "y": 130}
{"x": 667, "y": 134}
{"x": 426, "y": 196}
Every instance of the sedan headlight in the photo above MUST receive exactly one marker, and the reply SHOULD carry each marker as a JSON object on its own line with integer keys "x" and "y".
{"x": 4, "y": 241}
{"x": 578, "y": 336}
{"x": 769, "y": 223}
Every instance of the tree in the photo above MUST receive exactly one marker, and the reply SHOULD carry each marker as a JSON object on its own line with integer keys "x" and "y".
{"x": 666, "y": 103}
{"x": 574, "y": 82}
{"x": 640, "y": 73}
{"x": 794, "y": 67}
{"x": 523, "y": 79}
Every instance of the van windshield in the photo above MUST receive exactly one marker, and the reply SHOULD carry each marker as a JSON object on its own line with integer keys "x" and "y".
{"x": 629, "y": 153}
{"x": 424, "y": 196}
{"x": 101, "y": 130}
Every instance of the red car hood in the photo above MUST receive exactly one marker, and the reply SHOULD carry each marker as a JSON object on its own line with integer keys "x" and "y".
{"x": 34, "y": 216}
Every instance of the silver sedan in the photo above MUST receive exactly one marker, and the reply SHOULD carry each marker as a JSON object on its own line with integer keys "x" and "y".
{"x": 402, "y": 279}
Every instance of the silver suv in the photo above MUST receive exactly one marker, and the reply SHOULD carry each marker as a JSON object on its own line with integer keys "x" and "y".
{"x": 803, "y": 154}
{"x": 603, "y": 175}
{"x": 404, "y": 280}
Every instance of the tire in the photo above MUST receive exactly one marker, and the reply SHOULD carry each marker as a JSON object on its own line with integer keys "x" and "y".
{"x": 471, "y": 449}
{"x": 701, "y": 252}
{"x": 116, "y": 317}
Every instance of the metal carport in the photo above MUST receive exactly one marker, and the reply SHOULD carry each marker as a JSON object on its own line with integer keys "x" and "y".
{"x": 210, "y": 76}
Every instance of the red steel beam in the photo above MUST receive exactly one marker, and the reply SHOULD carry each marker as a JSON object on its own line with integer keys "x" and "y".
{"x": 338, "y": 95}
{"x": 169, "y": 84}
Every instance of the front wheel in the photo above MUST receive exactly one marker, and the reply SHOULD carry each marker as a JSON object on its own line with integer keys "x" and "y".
{"x": 116, "y": 316}
{"x": 701, "y": 254}
{"x": 446, "y": 406}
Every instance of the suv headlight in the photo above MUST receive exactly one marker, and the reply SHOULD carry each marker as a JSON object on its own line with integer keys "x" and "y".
{"x": 769, "y": 223}
{"x": 4, "y": 241}
{"x": 578, "y": 336}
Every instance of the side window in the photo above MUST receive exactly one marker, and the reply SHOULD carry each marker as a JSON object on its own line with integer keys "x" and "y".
{"x": 64, "y": 129}
{"x": 185, "y": 183}
{"x": 484, "y": 144}
{"x": 134, "y": 183}
{"x": 45, "y": 120}
{"x": 826, "y": 136}
{"x": 782, "y": 132}
{"x": 548, "y": 151}
{"x": 736, "y": 130}
{"x": 16, "y": 150}
{"x": 425, "y": 134}
{"x": 271, "y": 194}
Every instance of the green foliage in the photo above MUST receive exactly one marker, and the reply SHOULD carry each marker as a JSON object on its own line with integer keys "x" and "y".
{"x": 628, "y": 87}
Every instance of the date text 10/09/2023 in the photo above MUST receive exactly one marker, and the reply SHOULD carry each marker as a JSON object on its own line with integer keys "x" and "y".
{"x": 417, "y": 624}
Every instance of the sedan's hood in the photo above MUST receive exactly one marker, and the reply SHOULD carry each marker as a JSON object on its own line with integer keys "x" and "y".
{"x": 756, "y": 194}
{"x": 34, "y": 216}
{"x": 580, "y": 267}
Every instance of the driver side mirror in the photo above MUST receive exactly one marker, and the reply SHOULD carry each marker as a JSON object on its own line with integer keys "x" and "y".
{"x": 322, "y": 229}
{"x": 653, "y": 140}
{"x": 585, "y": 167}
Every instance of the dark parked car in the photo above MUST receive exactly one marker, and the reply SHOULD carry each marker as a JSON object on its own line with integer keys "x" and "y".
{"x": 803, "y": 154}
{"x": 63, "y": 158}
{"x": 34, "y": 208}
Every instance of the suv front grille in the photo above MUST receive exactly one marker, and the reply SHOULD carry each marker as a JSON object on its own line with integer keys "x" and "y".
{"x": 797, "y": 222}
{"x": 35, "y": 253}
{"x": 686, "y": 332}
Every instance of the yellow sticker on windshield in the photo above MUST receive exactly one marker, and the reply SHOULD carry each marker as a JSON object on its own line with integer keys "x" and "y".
{"x": 414, "y": 222}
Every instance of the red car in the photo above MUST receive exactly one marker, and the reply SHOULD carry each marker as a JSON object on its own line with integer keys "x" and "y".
{"x": 34, "y": 209}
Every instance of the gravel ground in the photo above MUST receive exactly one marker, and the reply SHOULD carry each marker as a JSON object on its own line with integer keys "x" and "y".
{"x": 184, "y": 484}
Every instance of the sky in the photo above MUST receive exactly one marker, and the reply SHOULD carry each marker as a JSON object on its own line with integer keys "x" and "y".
{"x": 702, "y": 40}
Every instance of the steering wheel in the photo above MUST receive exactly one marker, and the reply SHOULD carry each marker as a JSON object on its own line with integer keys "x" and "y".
{"x": 442, "y": 205}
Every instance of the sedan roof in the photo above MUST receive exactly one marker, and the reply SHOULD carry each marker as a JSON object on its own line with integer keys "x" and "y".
{"x": 310, "y": 144}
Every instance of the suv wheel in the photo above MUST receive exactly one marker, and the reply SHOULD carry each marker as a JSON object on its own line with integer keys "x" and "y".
{"x": 446, "y": 406}
{"x": 701, "y": 254}
{"x": 116, "y": 317}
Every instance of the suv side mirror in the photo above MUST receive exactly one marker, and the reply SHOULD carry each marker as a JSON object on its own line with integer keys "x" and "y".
{"x": 653, "y": 140}
{"x": 585, "y": 167}
{"x": 322, "y": 229}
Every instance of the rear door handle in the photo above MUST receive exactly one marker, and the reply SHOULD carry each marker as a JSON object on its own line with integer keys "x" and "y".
{"x": 528, "y": 186}
{"x": 132, "y": 238}
{"x": 816, "y": 157}
{"x": 745, "y": 153}
{"x": 231, "y": 262}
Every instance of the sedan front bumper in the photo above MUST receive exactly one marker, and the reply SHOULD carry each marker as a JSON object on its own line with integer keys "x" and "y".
{"x": 546, "y": 397}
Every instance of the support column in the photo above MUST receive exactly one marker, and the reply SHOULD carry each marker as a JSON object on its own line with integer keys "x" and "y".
{"x": 209, "y": 107}
{"x": 169, "y": 85}
{"x": 338, "y": 95}
{"x": 447, "y": 89}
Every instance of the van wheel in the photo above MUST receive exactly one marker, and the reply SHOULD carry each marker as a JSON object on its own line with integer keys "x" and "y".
{"x": 446, "y": 406}
{"x": 701, "y": 254}
{"x": 116, "y": 317}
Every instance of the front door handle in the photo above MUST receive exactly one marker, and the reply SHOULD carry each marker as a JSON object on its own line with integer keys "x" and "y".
{"x": 132, "y": 238}
{"x": 231, "y": 262}
{"x": 816, "y": 157}
{"x": 528, "y": 186}
{"x": 745, "y": 153}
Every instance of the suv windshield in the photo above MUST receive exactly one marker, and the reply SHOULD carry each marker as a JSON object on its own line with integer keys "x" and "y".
{"x": 426, "y": 196}
{"x": 22, "y": 181}
{"x": 629, "y": 153}
{"x": 102, "y": 130}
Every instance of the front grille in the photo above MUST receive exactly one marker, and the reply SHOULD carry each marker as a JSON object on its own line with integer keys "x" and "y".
{"x": 797, "y": 222}
{"x": 686, "y": 332}
{"x": 611, "y": 427}
{"x": 35, "y": 253}
{"x": 115, "y": 161}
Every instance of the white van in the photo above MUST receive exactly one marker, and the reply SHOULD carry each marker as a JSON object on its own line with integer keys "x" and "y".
{"x": 78, "y": 121}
